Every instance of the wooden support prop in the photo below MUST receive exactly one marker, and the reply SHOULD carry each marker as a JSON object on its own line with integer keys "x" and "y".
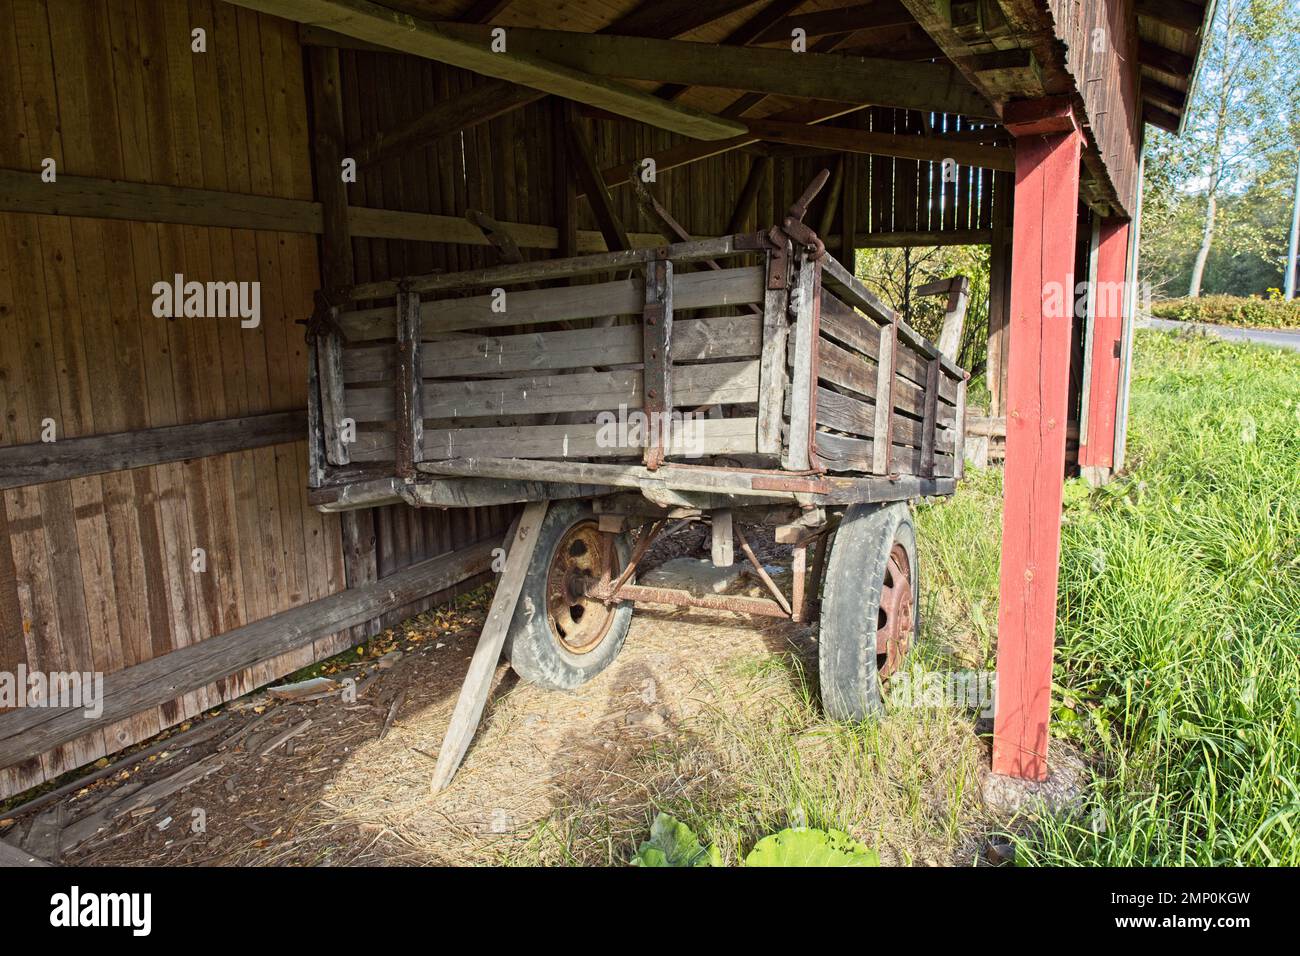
{"x": 657, "y": 380}
{"x": 474, "y": 692}
{"x": 1046, "y": 198}
{"x": 329, "y": 372}
{"x": 959, "y": 429}
{"x": 720, "y": 538}
{"x": 409, "y": 422}
{"x": 67, "y": 458}
{"x": 450, "y": 44}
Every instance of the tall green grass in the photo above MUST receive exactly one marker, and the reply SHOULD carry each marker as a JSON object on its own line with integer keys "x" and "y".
{"x": 1178, "y": 644}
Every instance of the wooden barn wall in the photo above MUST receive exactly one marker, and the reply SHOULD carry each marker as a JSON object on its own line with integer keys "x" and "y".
{"x": 1101, "y": 53}
{"x": 95, "y": 572}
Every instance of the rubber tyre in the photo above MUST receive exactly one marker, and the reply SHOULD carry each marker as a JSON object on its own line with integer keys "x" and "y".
{"x": 534, "y": 650}
{"x": 855, "y": 576}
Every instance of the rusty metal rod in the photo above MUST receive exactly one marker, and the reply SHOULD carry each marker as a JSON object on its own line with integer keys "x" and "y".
{"x": 758, "y": 567}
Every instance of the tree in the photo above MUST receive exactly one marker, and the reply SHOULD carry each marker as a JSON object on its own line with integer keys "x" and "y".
{"x": 1235, "y": 120}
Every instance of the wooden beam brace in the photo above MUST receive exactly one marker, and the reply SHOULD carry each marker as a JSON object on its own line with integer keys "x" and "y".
{"x": 34, "y": 464}
{"x": 846, "y": 140}
{"x": 480, "y": 104}
{"x": 420, "y": 37}
{"x": 815, "y": 75}
{"x": 1157, "y": 117}
{"x": 593, "y": 186}
{"x": 1166, "y": 97}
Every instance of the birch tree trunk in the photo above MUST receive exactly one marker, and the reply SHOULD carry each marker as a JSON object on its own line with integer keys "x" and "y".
{"x": 1203, "y": 253}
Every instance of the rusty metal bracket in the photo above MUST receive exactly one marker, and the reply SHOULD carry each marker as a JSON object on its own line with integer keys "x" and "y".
{"x": 324, "y": 317}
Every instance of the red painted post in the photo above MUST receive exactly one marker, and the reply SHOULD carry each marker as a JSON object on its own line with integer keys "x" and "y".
{"x": 1097, "y": 447}
{"x": 1038, "y": 376}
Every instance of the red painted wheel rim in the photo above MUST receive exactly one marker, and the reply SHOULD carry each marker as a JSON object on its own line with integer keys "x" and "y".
{"x": 895, "y": 619}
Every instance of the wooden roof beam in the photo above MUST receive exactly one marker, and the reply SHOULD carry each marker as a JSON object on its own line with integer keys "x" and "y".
{"x": 1157, "y": 117}
{"x": 1177, "y": 14}
{"x": 408, "y": 34}
{"x": 743, "y": 35}
{"x": 1164, "y": 96}
{"x": 825, "y": 76}
{"x": 485, "y": 11}
{"x": 1164, "y": 59}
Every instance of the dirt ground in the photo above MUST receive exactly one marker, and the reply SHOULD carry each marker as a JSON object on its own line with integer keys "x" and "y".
{"x": 550, "y": 778}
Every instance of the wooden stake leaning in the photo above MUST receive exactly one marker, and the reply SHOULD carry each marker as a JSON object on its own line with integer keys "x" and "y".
{"x": 474, "y": 692}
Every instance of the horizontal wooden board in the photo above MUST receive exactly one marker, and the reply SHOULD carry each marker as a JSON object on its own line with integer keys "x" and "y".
{"x": 99, "y": 454}
{"x": 724, "y": 383}
{"x": 862, "y": 335}
{"x": 736, "y": 336}
{"x": 693, "y": 290}
{"x": 27, "y": 731}
{"x": 715, "y": 436}
{"x": 842, "y": 453}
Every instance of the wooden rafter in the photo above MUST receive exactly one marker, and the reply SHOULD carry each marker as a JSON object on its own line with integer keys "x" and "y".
{"x": 863, "y": 16}
{"x": 1164, "y": 59}
{"x": 408, "y": 34}
{"x": 478, "y": 105}
{"x": 663, "y": 19}
{"x": 743, "y": 35}
{"x": 485, "y": 11}
{"x": 1177, "y": 14}
{"x": 687, "y": 153}
{"x": 814, "y": 75}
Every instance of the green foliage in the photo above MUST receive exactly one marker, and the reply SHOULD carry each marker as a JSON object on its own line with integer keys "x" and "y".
{"x": 896, "y": 275}
{"x": 805, "y": 846}
{"x": 1274, "y": 313}
{"x": 673, "y": 843}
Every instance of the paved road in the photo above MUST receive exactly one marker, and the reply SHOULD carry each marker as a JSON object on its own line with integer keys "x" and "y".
{"x": 1280, "y": 338}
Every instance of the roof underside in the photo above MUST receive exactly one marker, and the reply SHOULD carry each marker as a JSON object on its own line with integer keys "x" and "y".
{"x": 1124, "y": 62}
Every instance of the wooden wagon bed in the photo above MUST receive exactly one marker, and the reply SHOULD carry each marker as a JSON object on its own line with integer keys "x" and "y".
{"x": 781, "y": 377}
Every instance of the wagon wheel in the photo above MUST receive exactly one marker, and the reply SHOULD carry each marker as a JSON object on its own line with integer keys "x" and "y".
{"x": 583, "y": 554}
{"x": 869, "y": 608}
{"x": 560, "y": 638}
{"x": 895, "y": 624}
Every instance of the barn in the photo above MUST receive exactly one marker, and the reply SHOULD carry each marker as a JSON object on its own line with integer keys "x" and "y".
{"x": 187, "y": 185}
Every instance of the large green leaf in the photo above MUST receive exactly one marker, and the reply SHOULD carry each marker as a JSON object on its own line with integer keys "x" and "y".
{"x": 808, "y": 847}
{"x": 673, "y": 843}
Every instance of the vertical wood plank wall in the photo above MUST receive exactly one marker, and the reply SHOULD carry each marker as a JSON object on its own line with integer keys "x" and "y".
{"x": 95, "y": 572}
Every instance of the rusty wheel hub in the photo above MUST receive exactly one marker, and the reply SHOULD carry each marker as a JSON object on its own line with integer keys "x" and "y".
{"x": 584, "y": 554}
{"x": 894, "y": 621}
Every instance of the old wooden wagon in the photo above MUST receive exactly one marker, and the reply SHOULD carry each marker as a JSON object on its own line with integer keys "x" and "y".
{"x": 749, "y": 376}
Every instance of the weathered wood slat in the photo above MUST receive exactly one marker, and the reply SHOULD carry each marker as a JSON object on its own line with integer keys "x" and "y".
{"x": 724, "y": 436}
{"x": 727, "y": 383}
{"x": 28, "y": 731}
{"x": 693, "y": 340}
{"x": 696, "y": 290}
{"x": 99, "y": 454}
